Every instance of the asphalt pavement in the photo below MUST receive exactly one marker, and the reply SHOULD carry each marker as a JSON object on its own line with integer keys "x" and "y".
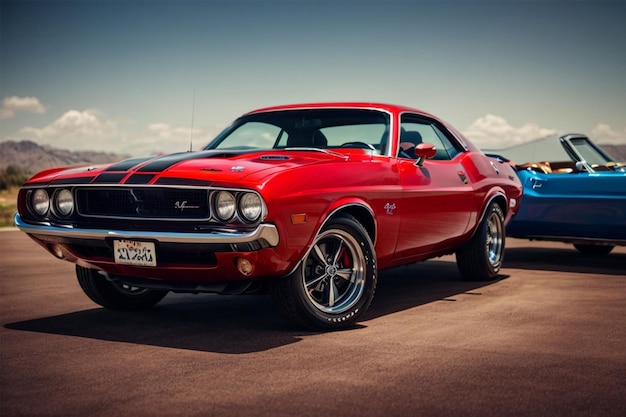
{"x": 546, "y": 339}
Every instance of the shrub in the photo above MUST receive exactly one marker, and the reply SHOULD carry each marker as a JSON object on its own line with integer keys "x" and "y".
{"x": 12, "y": 176}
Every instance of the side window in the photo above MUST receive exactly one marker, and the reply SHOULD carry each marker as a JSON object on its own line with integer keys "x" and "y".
{"x": 415, "y": 130}
{"x": 448, "y": 150}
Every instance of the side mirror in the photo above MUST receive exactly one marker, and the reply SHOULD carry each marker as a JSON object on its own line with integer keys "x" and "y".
{"x": 424, "y": 151}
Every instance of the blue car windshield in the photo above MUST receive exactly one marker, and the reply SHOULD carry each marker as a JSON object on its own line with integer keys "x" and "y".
{"x": 589, "y": 153}
{"x": 307, "y": 128}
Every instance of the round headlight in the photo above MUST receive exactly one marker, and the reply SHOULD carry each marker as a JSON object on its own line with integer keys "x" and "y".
{"x": 250, "y": 207}
{"x": 64, "y": 203}
{"x": 40, "y": 202}
{"x": 224, "y": 205}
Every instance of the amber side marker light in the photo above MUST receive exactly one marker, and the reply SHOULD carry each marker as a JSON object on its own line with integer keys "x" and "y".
{"x": 299, "y": 218}
{"x": 57, "y": 251}
{"x": 244, "y": 266}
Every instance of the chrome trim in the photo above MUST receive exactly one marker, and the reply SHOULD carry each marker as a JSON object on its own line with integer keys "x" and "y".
{"x": 484, "y": 211}
{"x": 439, "y": 124}
{"x": 327, "y": 219}
{"x": 265, "y": 231}
{"x": 572, "y": 239}
{"x": 379, "y": 107}
{"x": 323, "y": 150}
{"x": 343, "y": 207}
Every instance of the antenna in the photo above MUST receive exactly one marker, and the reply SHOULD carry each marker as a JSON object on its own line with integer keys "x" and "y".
{"x": 193, "y": 107}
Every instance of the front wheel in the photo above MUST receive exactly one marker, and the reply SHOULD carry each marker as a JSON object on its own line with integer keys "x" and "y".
{"x": 481, "y": 258}
{"x": 335, "y": 282}
{"x": 116, "y": 295}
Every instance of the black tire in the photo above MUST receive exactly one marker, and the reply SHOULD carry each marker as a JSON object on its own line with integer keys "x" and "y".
{"x": 115, "y": 295}
{"x": 335, "y": 281}
{"x": 481, "y": 258}
{"x": 593, "y": 250}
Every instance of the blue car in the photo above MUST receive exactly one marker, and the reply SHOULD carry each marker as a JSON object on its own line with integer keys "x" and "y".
{"x": 575, "y": 193}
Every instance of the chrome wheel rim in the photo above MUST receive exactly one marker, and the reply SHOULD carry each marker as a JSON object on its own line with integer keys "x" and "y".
{"x": 334, "y": 272}
{"x": 495, "y": 241}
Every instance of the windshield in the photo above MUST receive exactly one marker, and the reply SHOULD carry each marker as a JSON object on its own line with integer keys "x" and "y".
{"x": 589, "y": 153}
{"x": 309, "y": 128}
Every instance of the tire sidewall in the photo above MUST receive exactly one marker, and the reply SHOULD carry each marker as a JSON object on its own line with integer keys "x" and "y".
{"x": 495, "y": 209}
{"x": 322, "y": 320}
{"x": 473, "y": 259}
{"x": 111, "y": 296}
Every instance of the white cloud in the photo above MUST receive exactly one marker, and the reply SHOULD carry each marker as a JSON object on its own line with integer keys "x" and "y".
{"x": 175, "y": 139}
{"x": 495, "y": 132}
{"x": 12, "y": 105}
{"x": 605, "y": 135}
{"x": 78, "y": 130}
{"x": 163, "y": 130}
{"x": 92, "y": 130}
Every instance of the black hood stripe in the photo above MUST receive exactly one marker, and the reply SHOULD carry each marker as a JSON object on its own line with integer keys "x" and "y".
{"x": 163, "y": 163}
{"x": 109, "y": 178}
{"x": 160, "y": 164}
{"x": 139, "y": 179}
{"x": 127, "y": 164}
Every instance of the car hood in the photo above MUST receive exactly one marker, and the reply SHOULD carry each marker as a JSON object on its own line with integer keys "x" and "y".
{"x": 189, "y": 168}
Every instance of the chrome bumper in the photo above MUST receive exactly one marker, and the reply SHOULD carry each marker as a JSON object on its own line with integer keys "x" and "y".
{"x": 264, "y": 232}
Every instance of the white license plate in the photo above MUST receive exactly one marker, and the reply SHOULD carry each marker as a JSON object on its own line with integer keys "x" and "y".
{"x": 131, "y": 252}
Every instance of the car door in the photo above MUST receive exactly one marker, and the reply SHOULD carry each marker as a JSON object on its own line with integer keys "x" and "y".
{"x": 577, "y": 204}
{"x": 437, "y": 199}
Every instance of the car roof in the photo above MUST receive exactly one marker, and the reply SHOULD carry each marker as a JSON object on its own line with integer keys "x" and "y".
{"x": 393, "y": 108}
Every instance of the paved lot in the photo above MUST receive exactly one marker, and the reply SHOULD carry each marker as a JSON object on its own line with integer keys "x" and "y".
{"x": 548, "y": 339}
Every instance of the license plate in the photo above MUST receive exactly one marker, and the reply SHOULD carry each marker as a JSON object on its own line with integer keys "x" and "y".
{"x": 132, "y": 252}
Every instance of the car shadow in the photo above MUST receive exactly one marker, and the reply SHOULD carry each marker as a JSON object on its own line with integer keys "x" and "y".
{"x": 564, "y": 260}
{"x": 410, "y": 286}
{"x": 243, "y": 324}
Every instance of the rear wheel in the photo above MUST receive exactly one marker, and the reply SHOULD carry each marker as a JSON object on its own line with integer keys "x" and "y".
{"x": 593, "y": 250}
{"x": 116, "y": 295}
{"x": 335, "y": 282}
{"x": 481, "y": 258}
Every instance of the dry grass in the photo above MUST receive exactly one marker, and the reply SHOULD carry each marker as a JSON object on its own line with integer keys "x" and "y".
{"x": 8, "y": 206}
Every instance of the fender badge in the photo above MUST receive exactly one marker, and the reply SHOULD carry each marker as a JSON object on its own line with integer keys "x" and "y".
{"x": 390, "y": 207}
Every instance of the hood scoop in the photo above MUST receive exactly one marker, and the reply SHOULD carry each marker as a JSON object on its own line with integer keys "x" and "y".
{"x": 274, "y": 157}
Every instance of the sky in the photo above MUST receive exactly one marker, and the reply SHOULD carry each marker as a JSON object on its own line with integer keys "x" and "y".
{"x": 134, "y": 77}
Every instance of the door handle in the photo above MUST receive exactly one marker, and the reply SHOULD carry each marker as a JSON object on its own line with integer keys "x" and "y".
{"x": 536, "y": 183}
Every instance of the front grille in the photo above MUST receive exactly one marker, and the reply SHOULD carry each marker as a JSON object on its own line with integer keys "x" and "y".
{"x": 144, "y": 203}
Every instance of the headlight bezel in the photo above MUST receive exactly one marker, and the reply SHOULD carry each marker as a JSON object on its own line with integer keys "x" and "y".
{"x": 243, "y": 206}
{"x": 43, "y": 204}
{"x": 218, "y": 205}
{"x": 58, "y": 195}
{"x": 244, "y": 200}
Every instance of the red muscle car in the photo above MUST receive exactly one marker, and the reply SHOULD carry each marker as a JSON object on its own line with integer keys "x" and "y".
{"x": 307, "y": 201}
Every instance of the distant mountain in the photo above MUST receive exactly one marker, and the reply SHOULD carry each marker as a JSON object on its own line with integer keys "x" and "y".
{"x": 34, "y": 158}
